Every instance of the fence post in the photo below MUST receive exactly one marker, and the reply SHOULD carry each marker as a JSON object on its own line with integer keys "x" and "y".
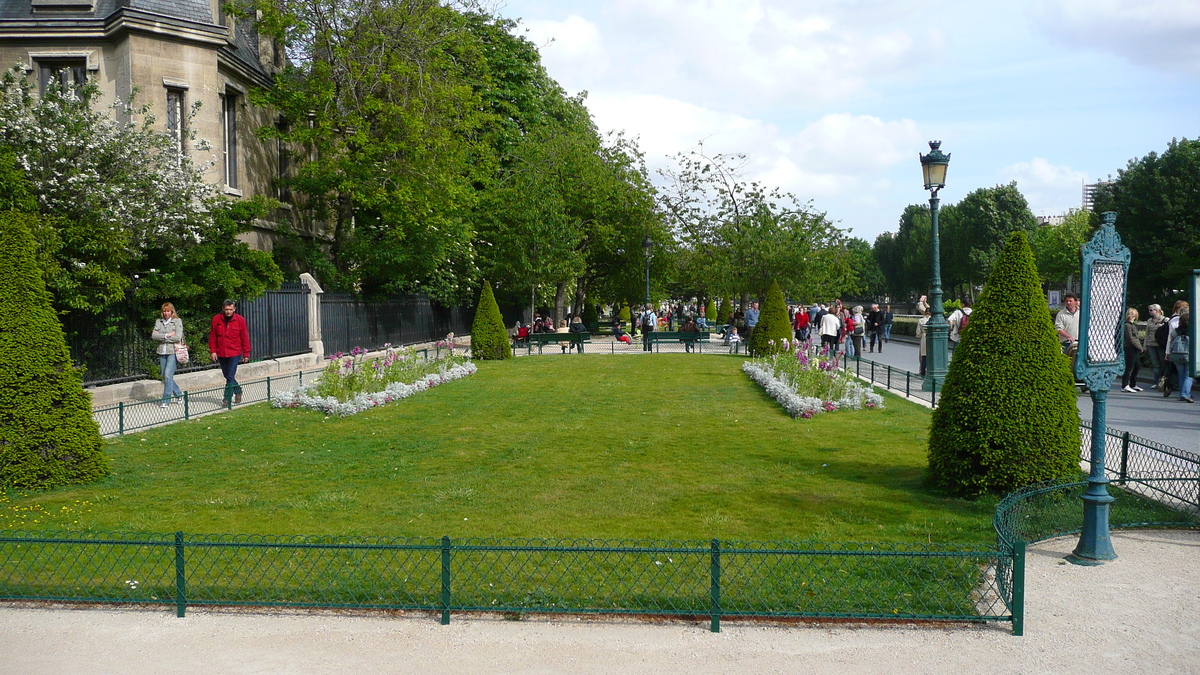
{"x": 933, "y": 395}
{"x": 121, "y": 418}
{"x": 889, "y": 381}
{"x": 715, "y": 587}
{"x": 872, "y": 371}
{"x": 445, "y": 580}
{"x": 1124, "y": 456}
{"x": 180, "y": 579}
{"x": 908, "y": 383}
{"x": 1018, "y": 589}
{"x": 186, "y": 412}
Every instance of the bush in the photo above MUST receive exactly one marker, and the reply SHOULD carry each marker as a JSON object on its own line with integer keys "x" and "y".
{"x": 904, "y": 326}
{"x": 1007, "y": 414}
{"x": 710, "y": 310}
{"x": 948, "y": 306}
{"x": 625, "y": 315}
{"x": 773, "y": 327}
{"x": 47, "y": 434}
{"x": 590, "y": 318}
{"x": 724, "y": 313}
{"x": 489, "y": 338}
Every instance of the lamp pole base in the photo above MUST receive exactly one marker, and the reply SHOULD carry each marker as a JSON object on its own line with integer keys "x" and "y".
{"x": 1095, "y": 545}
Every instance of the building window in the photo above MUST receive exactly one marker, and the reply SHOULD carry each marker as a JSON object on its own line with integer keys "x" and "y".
{"x": 69, "y": 74}
{"x": 176, "y": 118}
{"x": 229, "y": 105}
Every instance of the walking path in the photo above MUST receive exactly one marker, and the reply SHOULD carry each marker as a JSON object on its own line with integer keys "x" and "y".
{"x": 1145, "y": 414}
{"x": 1133, "y": 615}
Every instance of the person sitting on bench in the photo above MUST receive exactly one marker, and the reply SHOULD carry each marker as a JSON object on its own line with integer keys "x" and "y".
{"x": 577, "y": 326}
{"x": 689, "y": 326}
{"x": 620, "y": 334}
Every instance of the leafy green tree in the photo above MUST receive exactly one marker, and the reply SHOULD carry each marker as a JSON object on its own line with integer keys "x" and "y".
{"x": 773, "y": 324}
{"x": 868, "y": 279}
{"x": 1157, "y": 200}
{"x": 710, "y": 310}
{"x": 489, "y": 338}
{"x": 1057, "y": 247}
{"x": 47, "y": 434}
{"x": 1007, "y": 414}
{"x": 975, "y": 230}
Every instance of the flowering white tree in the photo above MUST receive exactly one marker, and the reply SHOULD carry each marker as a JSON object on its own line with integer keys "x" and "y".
{"x": 113, "y": 194}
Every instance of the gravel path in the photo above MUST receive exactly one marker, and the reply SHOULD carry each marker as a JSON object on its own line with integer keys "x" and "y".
{"x": 1136, "y": 614}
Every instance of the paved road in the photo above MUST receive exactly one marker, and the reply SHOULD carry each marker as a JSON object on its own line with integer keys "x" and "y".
{"x": 1145, "y": 414}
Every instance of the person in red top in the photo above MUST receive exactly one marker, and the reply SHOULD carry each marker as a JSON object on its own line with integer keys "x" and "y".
{"x": 800, "y": 325}
{"x": 229, "y": 344}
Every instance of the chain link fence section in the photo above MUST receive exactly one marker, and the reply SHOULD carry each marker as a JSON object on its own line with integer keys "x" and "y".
{"x": 686, "y": 579}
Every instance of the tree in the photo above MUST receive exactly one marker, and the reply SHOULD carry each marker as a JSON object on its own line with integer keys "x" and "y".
{"x": 868, "y": 278}
{"x": 975, "y": 230}
{"x": 1007, "y": 414}
{"x": 1157, "y": 200}
{"x": 1057, "y": 247}
{"x": 744, "y": 235}
{"x": 489, "y": 338}
{"x": 47, "y": 434}
{"x": 118, "y": 201}
{"x": 773, "y": 325}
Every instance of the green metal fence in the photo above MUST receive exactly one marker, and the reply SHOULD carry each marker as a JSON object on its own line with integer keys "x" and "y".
{"x": 689, "y": 578}
{"x": 122, "y": 417}
{"x": 896, "y": 379}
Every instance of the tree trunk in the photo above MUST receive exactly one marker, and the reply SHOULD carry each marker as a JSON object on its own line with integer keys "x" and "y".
{"x": 560, "y": 300}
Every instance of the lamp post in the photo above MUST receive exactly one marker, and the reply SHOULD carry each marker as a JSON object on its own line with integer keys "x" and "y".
{"x": 937, "y": 331}
{"x": 647, "y": 247}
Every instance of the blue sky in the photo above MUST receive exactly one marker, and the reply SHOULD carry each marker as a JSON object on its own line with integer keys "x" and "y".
{"x": 833, "y": 100}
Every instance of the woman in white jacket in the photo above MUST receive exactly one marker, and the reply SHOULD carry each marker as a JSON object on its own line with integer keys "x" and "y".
{"x": 168, "y": 332}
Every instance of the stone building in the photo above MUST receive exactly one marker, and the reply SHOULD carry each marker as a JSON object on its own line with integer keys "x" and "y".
{"x": 175, "y": 54}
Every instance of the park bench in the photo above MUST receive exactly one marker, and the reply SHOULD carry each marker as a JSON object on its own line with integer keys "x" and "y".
{"x": 543, "y": 339}
{"x": 678, "y": 336}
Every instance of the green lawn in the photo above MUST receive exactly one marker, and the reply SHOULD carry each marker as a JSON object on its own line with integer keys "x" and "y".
{"x": 670, "y": 446}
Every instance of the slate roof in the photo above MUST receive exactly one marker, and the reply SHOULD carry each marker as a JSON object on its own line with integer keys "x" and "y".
{"x": 189, "y": 10}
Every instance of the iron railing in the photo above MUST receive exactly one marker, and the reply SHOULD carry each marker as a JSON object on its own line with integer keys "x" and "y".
{"x": 1163, "y": 473}
{"x": 347, "y": 321}
{"x": 712, "y": 579}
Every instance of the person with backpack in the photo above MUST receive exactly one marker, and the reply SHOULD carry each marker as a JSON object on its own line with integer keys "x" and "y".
{"x": 1177, "y": 351}
{"x": 856, "y": 327}
{"x": 958, "y": 322}
{"x": 647, "y": 320}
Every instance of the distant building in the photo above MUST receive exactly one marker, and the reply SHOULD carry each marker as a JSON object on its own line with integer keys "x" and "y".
{"x": 175, "y": 53}
{"x": 1089, "y": 193}
{"x": 1043, "y": 221}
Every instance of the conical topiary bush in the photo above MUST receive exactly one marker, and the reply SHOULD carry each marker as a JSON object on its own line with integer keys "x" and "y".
{"x": 489, "y": 338}
{"x": 625, "y": 315}
{"x": 47, "y": 434}
{"x": 710, "y": 310}
{"x": 773, "y": 325}
{"x": 724, "y": 316}
{"x": 1006, "y": 416}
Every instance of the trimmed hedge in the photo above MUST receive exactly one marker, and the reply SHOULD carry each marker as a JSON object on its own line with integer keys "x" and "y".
{"x": 710, "y": 310}
{"x": 626, "y": 315}
{"x": 47, "y": 434}
{"x": 489, "y": 337}
{"x": 1007, "y": 414}
{"x": 773, "y": 324}
{"x": 724, "y": 312}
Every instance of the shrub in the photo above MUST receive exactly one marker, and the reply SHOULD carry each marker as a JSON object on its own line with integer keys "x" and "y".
{"x": 948, "y": 306}
{"x": 1007, "y": 414}
{"x": 773, "y": 325}
{"x": 590, "y": 318}
{"x": 626, "y": 316}
{"x": 47, "y": 434}
{"x": 724, "y": 313}
{"x": 710, "y": 310}
{"x": 489, "y": 338}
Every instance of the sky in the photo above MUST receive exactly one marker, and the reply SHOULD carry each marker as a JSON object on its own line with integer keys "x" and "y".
{"x": 833, "y": 100}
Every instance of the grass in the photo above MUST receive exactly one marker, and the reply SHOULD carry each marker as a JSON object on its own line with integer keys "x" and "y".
{"x": 674, "y": 446}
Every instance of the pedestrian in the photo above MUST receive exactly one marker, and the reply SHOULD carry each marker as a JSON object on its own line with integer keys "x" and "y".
{"x": 875, "y": 327}
{"x": 958, "y": 321}
{"x": 922, "y": 305}
{"x": 1133, "y": 353}
{"x": 168, "y": 332}
{"x": 888, "y": 317}
{"x": 647, "y": 320}
{"x": 801, "y": 324}
{"x": 829, "y": 328}
{"x": 751, "y": 322}
{"x": 858, "y": 330}
{"x": 1066, "y": 322}
{"x": 229, "y": 345}
{"x": 1155, "y": 350}
{"x": 921, "y": 323}
{"x": 1177, "y": 350}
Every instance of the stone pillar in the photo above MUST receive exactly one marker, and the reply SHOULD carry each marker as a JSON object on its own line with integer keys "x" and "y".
{"x": 315, "y": 343}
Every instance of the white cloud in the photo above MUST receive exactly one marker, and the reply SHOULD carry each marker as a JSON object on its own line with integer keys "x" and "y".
{"x": 722, "y": 53}
{"x": 838, "y": 153}
{"x": 1159, "y": 33}
{"x": 1050, "y": 189}
{"x": 572, "y": 50}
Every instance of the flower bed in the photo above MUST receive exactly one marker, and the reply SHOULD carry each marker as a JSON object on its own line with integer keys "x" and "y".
{"x": 351, "y": 383}
{"x": 808, "y": 382}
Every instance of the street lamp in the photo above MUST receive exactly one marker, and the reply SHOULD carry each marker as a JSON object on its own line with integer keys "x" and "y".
{"x": 937, "y": 331}
{"x": 647, "y": 246}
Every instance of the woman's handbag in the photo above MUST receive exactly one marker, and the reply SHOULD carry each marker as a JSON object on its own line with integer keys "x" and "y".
{"x": 182, "y": 356}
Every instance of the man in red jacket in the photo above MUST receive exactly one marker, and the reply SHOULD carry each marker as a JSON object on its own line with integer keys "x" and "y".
{"x": 229, "y": 343}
